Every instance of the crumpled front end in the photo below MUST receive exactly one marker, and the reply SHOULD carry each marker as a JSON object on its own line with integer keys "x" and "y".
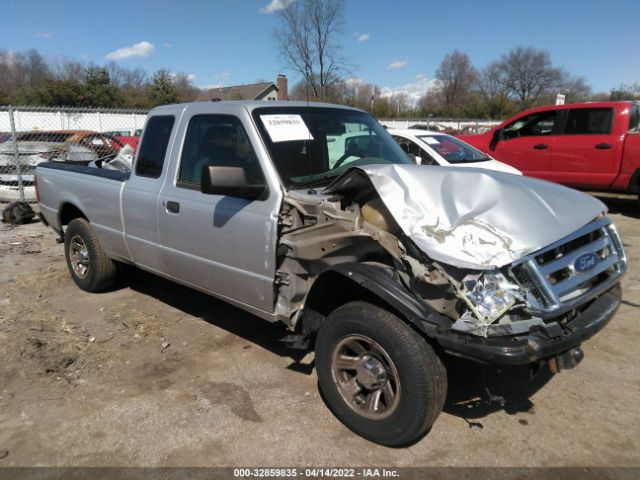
{"x": 507, "y": 269}
{"x": 516, "y": 253}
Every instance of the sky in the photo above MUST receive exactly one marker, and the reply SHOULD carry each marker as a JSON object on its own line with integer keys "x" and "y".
{"x": 397, "y": 45}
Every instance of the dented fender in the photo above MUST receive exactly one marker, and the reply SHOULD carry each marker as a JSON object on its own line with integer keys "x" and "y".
{"x": 379, "y": 281}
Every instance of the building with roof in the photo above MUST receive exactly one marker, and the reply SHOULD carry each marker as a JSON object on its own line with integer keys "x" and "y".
{"x": 255, "y": 91}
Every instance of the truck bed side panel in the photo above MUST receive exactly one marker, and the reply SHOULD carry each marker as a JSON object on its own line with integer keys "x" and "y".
{"x": 95, "y": 192}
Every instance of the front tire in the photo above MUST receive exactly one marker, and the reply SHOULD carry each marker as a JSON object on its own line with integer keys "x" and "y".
{"x": 379, "y": 377}
{"x": 87, "y": 262}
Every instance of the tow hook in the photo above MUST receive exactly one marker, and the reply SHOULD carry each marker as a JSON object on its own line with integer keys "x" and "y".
{"x": 566, "y": 360}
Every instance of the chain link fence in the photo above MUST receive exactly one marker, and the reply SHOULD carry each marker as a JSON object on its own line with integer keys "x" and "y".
{"x": 31, "y": 135}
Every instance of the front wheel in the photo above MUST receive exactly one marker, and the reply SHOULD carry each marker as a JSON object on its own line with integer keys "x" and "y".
{"x": 87, "y": 262}
{"x": 379, "y": 377}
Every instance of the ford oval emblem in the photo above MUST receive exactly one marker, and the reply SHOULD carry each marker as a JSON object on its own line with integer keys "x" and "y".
{"x": 585, "y": 262}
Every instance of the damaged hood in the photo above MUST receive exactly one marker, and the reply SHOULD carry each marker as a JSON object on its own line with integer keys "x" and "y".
{"x": 473, "y": 218}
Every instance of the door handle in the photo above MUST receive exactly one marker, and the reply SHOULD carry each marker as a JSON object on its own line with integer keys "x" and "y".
{"x": 541, "y": 146}
{"x": 173, "y": 207}
{"x": 603, "y": 146}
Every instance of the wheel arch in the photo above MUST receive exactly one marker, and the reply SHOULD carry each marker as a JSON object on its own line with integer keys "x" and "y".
{"x": 372, "y": 283}
{"x": 69, "y": 211}
{"x": 634, "y": 183}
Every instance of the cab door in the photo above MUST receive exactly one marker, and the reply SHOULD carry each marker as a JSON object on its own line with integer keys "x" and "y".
{"x": 222, "y": 244}
{"x": 528, "y": 142}
{"x": 586, "y": 152}
{"x": 140, "y": 195}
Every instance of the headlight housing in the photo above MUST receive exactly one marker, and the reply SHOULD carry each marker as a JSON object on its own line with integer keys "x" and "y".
{"x": 489, "y": 296}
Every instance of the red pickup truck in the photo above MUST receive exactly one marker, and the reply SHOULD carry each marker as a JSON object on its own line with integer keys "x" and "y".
{"x": 593, "y": 146}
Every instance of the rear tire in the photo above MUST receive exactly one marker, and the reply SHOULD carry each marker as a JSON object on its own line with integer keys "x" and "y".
{"x": 353, "y": 347}
{"x": 87, "y": 262}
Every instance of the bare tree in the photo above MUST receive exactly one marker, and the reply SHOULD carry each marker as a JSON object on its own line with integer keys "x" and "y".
{"x": 186, "y": 92}
{"x": 456, "y": 76}
{"x": 307, "y": 40}
{"x": 527, "y": 74}
{"x": 22, "y": 72}
{"x": 575, "y": 89}
{"x": 68, "y": 69}
{"x": 489, "y": 85}
{"x": 625, "y": 92}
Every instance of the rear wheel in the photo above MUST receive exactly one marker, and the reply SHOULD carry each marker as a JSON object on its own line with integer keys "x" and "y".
{"x": 379, "y": 377}
{"x": 87, "y": 262}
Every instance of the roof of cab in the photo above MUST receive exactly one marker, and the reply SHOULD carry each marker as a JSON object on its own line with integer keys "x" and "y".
{"x": 249, "y": 104}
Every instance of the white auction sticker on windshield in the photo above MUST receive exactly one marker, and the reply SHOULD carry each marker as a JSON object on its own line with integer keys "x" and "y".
{"x": 285, "y": 128}
{"x": 431, "y": 141}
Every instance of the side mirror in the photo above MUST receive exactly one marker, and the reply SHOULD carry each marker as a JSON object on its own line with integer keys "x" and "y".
{"x": 231, "y": 181}
{"x": 495, "y": 138}
{"x": 417, "y": 160}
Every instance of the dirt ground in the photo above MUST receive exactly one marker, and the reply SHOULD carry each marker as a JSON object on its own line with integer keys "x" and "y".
{"x": 154, "y": 374}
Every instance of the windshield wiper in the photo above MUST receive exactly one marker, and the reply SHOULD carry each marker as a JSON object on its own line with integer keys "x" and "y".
{"x": 314, "y": 182}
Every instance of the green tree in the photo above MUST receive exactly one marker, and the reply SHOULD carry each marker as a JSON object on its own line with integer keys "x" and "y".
{"x": 54, "y": 93}
{"x": 98, "y": 89}
{"x": 162, "y": 89}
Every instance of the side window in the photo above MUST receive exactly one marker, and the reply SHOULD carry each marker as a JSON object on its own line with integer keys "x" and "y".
{"x": 216, "y": 140}
{"x": 541, "y": 123}
{"x": 154, "y": 146}
{"x": 589, "y": 121}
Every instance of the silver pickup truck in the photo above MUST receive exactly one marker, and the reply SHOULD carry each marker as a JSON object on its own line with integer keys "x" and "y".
{"x": 311, "y": 215}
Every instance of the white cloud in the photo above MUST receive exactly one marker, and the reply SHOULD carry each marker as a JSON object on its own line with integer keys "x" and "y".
{"x": 396, "y": 64}
{"x": 413, "y": 90}
{"x": 167, "y": 45}
{"x": 44, "y": 34}
{"x": 220, "y": 77}
{"x": 142, "y": 49}
{"x": 275, "y": 5}
{"x": 362, "y": 37}
{"x": 190, "y": 76}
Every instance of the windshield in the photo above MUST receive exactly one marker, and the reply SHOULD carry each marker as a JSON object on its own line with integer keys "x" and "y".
{"x": 312, "y": 145}
{"x": 452, "y": 149}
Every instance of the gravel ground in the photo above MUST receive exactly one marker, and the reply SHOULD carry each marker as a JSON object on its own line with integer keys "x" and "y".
{"x": 153, "y": 374}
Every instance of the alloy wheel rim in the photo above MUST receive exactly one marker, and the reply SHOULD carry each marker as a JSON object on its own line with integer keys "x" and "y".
{"x": 366, "y": 377}
{"x": 79, "y": 256}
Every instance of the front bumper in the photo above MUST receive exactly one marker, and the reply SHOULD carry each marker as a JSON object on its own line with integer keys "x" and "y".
{"x": 541, "y": 342}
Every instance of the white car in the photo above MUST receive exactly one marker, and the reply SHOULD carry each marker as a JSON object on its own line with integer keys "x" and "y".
{"x": 435, "y": 148}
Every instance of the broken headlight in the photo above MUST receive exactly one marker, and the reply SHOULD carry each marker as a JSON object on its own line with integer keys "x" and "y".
{"x": 489, "y": 295}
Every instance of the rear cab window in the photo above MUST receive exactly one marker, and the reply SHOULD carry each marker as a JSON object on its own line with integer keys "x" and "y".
{"x": 153, "y": 148}
{"x": 589, "y": 121}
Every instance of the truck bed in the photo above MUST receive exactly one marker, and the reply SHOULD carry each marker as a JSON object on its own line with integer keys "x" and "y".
{"x": 88, "y": 189}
